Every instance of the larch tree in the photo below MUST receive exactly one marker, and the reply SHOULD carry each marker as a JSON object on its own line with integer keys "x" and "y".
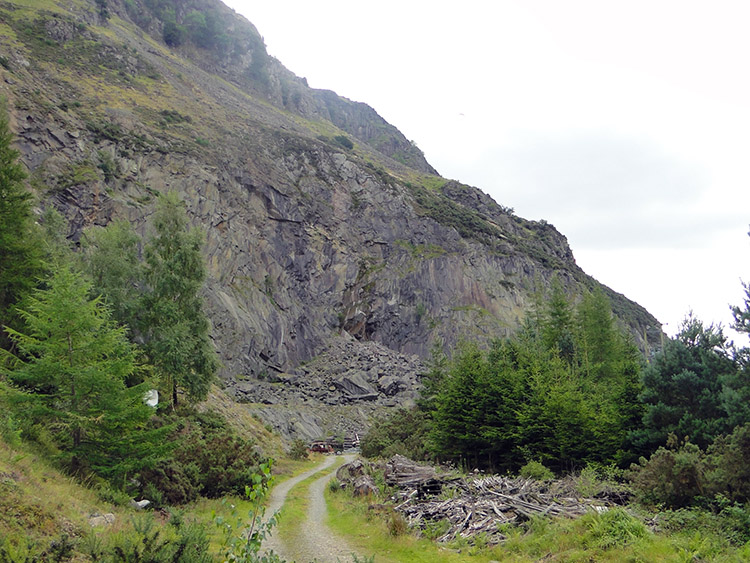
{"x": 20, "y": 244}
{"x": 72, "y": 366}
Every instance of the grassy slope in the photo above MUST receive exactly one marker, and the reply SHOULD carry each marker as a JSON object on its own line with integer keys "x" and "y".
{"x": 38, "y": 504}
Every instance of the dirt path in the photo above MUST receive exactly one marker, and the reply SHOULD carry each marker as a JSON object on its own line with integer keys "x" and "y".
{"x": 317, "y": 542}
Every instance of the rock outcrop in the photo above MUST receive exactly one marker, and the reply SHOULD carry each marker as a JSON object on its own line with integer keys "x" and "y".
{"x": 328, "y": 233}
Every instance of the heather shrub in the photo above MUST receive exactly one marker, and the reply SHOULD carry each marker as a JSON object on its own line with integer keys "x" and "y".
{"x": 210, "y": 460}
{"x": 670, "y": 477}
{"x": 728, "y": 462}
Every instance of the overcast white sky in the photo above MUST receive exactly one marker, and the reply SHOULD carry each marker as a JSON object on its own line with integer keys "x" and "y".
{"x": 626, "y": 124}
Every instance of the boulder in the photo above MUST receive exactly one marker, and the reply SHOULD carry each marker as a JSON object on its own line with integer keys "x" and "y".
{"x": 354, "y": 383}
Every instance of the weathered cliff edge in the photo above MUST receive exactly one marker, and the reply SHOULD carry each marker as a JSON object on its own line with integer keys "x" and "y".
{"x": 362, "y": 256}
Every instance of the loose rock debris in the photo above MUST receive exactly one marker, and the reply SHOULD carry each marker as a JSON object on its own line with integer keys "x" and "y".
{"x": 481, "y": 505}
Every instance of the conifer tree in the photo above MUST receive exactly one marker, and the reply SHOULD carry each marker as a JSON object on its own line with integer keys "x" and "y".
{"x": 683, "y": 387}
{"x": 557, "y": 328}
{"x": 73, "y": 364}
{"x": 20, "y": 245}
{"x": 175, "y": 329}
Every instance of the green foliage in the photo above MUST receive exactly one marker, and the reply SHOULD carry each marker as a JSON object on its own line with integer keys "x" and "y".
{"x": 403, "y": 432}
{"x": 683, "y": 387}
{"x": 72, "y": 365}
{"x": 557, "y": 328}
{"x": 614, "y": 528}
{"x": 397, "y": 524}
{"x": 298, "y": 449}
{"x": 77, "y": 174}
{"x": 242, "y": 541}
{"x": 563, "y": 392}
{"x": 170, "y": 116}
{"x": 111, "y": 257}
{"x": 58, "y": 550}
{"x": 103, "y": 9}
{"x": 344, "y": 141}
{"x": 105, "y": 131}
{"x": 433, "y": 379}
{"x": 208, "y": 460}
{"x": 179, "y": 541}
{"x": 10, "y": 430}
{"x": 536, "y": 470}
{"x": 445, "y": 211}
{"x": 173, "y": 324}
{"x": 159, "y": 299}
{"x": 728, "y": 471}
{"x": 673, "y": 477}
{"x": 109, "y": 165}
{"x": 170, "y": 482}
{"x": 686, "y": 475}
{"x": 20, "y": 245}
{"x": 173, "y": 34}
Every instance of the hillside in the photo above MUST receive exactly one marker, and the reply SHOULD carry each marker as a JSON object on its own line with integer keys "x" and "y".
{"x": 335, "y": 250}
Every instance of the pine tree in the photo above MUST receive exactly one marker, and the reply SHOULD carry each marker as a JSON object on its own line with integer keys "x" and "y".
{"x": 683, "y": 387}
{"x": 175, "y": 329}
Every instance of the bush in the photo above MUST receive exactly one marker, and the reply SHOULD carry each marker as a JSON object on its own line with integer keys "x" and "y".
{"x": 728, "y": 465}
{"x": 735, "y": 521}
{"x": 536, "y": 470}
{"x": 210, "y": 460}
{"x": 298, "y": 449}
{"x": 172, "y": 481}
{"x": 109, "y": 165}
{"x": 397, "y": 524}
{"x": 344, "y": 141}
{"x": 173, "y": 34}
{"x": 672, "y": 477}
{"x": 177, "y": 542}
{"x": 10, "y": 432}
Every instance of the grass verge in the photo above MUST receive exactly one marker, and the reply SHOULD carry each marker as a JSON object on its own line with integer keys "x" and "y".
{"x": 206, "y": 510}
{"x": 614, "y": 536}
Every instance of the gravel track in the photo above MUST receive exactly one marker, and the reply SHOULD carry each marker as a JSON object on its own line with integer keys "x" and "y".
{"x": 316, "y": 542}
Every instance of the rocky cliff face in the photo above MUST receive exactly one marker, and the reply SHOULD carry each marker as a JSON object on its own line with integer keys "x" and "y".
{"x": 326, "y": 228}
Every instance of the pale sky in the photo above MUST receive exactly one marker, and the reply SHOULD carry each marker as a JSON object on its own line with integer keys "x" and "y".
{"x": 626, "y": 124}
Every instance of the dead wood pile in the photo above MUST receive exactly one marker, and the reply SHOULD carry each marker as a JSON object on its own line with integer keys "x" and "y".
{"x": 481, "y": 505}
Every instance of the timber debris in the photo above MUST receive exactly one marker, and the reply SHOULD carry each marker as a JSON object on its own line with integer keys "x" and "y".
{"x": 471, "y": 506}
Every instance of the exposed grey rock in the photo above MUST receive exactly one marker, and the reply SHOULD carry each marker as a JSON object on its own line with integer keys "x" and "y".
{"x": 355, "y": 384}
{"x": 97, "y": 519}
{"x": 314, "y": 253}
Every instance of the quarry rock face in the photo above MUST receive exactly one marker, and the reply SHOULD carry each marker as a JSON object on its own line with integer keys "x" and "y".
{"x": 332, "y": 270}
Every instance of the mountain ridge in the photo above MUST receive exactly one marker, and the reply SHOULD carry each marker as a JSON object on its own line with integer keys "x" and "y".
{"x": 324, "y": 223}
